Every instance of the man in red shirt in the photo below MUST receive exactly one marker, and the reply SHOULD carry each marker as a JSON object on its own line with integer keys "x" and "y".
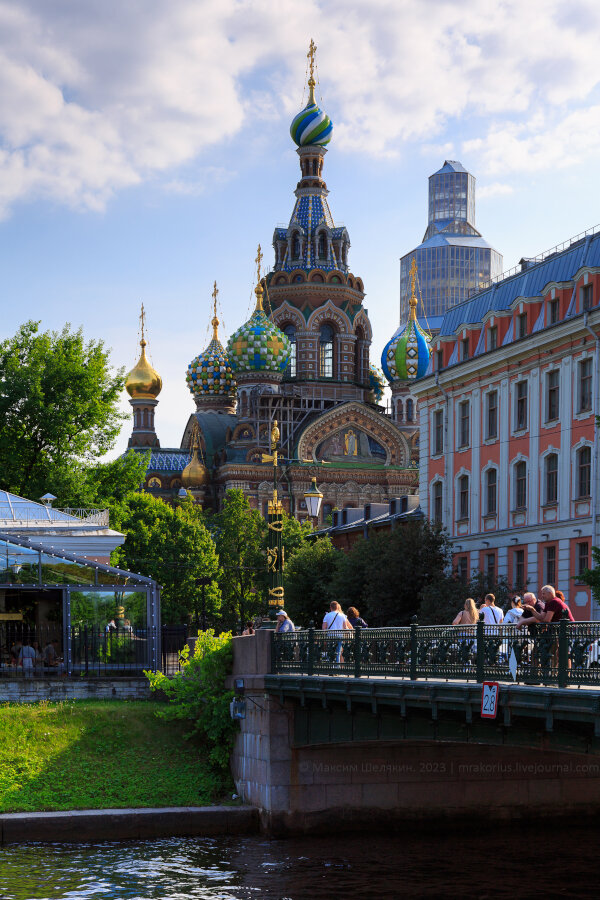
{"x": 552, "y": 612}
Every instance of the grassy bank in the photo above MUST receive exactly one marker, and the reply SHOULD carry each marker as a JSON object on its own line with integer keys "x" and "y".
{"x": 97, "y": 755}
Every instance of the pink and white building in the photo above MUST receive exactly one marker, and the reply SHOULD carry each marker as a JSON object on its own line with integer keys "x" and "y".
{"x": 508, "y": 433}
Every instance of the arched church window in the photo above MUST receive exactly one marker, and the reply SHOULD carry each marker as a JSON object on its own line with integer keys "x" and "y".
{"x": 326, "y": 351}
{"x": 399, "y": 411}
{"x": 290, "y": 333}
{"x": 322, "y": 247}
{"x": 314, "y": 166}
{"x": 409, "y": 410}
{"x": 296, "y": 246}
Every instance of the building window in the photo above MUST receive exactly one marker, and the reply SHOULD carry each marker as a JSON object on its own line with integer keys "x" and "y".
{"x": 490, "y": 567}
{"x": 326, "y": 351}
{"x": 554, "y": 309}
{"x": 464, "y": 349}
{"x": 326, "y": 513}
{"x": 519, "y": 568}
{"x": 551, "y": 477}
{"x": 322, "y": 247}
{"x": 586, "y": 294}
{"x": 409, "y": 410}
{"x": 492, "y": 415}
{"x": 584, "y": 472}
{"x": 439, "y": 360}
{"x": 552, "y": 395}
{"x": 437, "y": 501}
{"x": 491, "y": 491}
{"x": 493, "y": 337}
{"x": 521, "y": 485}
{"x": 295, "y": 247}
{"x": 585, "y": 385}
{"x": 438, "y": 432}
{"x": 583, "y": 557}
{"x": 522, "y": 325}
{"x": 461, "y": 569}
{"x": 550, "y": 564}
{"x": 520, "y": 405}
{"x": 290, "y": 333}
{"x": 463, "y": 423}
{"x": 463, "y": 497}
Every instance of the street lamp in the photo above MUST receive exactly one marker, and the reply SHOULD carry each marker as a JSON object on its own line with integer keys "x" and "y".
{"x": 275, "y": 551}
{"x": 313, "y": 499}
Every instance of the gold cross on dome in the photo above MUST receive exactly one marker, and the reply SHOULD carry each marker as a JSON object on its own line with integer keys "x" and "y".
{"x": 258, "y": 261}
{"x": 215, "y": 294}
{"x": 143, "y": 321}
{"x": 311, "y": 56}
{"x": 215, "y": 321}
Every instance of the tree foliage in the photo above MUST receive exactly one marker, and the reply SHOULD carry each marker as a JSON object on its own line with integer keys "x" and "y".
{"x": 59, "y": 412}
{"x": 308, "y": 582}
{"x": 591, "y": 577}
{"x": 197, "y": 694}
{"x": 173, "y": 546}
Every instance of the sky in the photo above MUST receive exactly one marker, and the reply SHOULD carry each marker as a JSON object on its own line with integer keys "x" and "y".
{"x": 145, "y": 151}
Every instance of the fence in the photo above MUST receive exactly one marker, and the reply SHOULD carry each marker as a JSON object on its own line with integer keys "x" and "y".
{"x": 40, "y": 652}
{"x": 560, "y": 654}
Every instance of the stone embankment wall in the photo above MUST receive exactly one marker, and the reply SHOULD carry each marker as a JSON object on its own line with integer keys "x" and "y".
{"x": 32, "y": 690}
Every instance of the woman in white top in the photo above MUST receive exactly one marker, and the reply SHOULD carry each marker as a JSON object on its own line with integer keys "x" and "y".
{"x": 515, "y": 612}
{"x": 335, "y": 620}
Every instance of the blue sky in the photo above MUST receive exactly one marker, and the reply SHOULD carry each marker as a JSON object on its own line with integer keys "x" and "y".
{"x": 144, "y": 150}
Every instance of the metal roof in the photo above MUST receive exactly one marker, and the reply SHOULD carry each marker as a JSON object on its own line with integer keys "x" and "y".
{"x": 17, "y": 509}
{"x": 558, "y": 267}
{"x": 450, "y": 165}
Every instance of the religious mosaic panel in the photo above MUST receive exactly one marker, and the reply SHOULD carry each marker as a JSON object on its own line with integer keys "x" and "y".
{"x": 351, "y": 445}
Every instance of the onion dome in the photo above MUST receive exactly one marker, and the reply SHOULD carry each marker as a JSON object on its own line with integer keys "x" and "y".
{"x": 406, "y": 356}
{"x": 195, "y": 474}
{"x": 259, "y": 345}
{"x": 210, "y": 373}
{"x": 376, "y": 382}
{"x": 311, "y": 125}
{"x": 143, "y": 382}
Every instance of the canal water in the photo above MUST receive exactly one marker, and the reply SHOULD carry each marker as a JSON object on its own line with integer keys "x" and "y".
{"x": 499, "y": 862}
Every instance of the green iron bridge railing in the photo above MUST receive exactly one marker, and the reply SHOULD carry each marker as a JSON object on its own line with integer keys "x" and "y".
{"x": 561, "y": 654}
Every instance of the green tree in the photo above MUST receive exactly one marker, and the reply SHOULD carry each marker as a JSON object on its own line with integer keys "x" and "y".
{"x": 239, "y": 533}
{"x": 59, "y": 411}
{"x": 173, "y": 546}
{"x": 308, "y": 581}
{"x": 444, "y": 597}
{"x": 592, "y": 576}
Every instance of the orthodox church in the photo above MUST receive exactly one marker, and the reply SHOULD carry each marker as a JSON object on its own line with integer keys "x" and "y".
{"x": 302, "y": 360}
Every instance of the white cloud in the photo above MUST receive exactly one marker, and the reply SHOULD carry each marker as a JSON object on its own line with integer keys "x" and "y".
{"x": 98, "y": 96}
{"x": 495, "y": 189}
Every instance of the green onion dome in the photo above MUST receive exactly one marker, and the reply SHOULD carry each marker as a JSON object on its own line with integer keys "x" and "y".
{"x": 210, "y": 374}
{"x": 259, "y": 345}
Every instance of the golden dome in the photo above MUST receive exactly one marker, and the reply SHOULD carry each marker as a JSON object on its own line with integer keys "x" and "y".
{"x": 195, "y": 474}
{"x": 143, "y": 382}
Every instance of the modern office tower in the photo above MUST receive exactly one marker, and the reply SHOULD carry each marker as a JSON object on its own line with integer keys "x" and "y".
{"x": 454, "y": 260}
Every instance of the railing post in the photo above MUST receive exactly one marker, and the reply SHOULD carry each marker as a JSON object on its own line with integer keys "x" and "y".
{"x": 85, "y": 650}
{"x": 311, "y": 651}
{"x": 563, "y": 651}
{"x": 480, "y": 652}
{"x": 273, "y": 660}
{"x": 357, "y": 652}
{"x": 413, "y": 648}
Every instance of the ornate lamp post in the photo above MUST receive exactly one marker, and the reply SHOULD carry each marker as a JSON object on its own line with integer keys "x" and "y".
{"x": 313, "y": 499}
{"x": 275, "y": 555}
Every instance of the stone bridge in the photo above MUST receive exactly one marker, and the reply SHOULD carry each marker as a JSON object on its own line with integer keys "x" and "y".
{"x": 319, "y": 751}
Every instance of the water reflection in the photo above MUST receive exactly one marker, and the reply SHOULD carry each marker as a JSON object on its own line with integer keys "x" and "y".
{"x": 496, "y": 864}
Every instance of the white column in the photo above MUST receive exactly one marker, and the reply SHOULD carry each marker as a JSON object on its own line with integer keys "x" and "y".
{"x": 533, "y": 480}
{"x": 533, "y": 576}
{"x": 504, "y": 416}
{"x": 564, "y": 456}
{"x": 502, "y": 561}
{"x": 475, "y": 457}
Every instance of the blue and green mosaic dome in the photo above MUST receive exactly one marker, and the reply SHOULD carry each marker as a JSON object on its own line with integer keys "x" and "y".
{"x": 210, "y": 374}
{"x": 311, "y": 126}
{"x": 259, "y": 345}
{"x": 406, "y": 356}
{"x": 376, "y": 381}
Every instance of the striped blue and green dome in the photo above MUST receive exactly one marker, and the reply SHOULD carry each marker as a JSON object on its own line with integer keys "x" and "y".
{"x": 210, "y": 374}
{"x": 406, "y": 356}
{"x": 311, "y": 126}
{"x": 376, "y": 381}
{"x": 259, "y": 345}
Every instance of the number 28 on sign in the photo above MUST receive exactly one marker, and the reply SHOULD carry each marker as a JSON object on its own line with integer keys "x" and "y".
{"x": 489, "y": 699}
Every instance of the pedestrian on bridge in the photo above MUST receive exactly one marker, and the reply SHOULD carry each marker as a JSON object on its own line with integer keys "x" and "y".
{"x": 469, "y": 615}
{"x": 492, "y": 614}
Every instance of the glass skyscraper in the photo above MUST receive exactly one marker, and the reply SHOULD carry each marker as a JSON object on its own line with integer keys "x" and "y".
{"x": 454, "y": 261}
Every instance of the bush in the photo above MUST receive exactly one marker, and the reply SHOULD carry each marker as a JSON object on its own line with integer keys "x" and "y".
{"x": 198, "y": 695}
